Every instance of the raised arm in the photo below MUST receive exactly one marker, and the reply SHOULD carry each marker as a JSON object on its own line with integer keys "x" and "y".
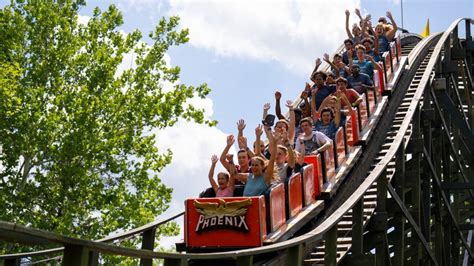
{"x": 289, "y": 149}
{"x": 348, "y": 31}
{"x": 243, "y": 144}
{"x": 211, "y": 173}
{"x": 269, "y": 134}
{"x": 314, "y": 112}
{"x": 326, "y": 59}
{"x": 234, "y": 175}
{"x": 230, "y": 142}
{"x": 357, "y": 12}
{"x": 391, "y": 33}
{"x": 337, "y": 115}
{"x": 268, "y": 175}
{"x": 318, "y": 63}
{"x": 240, "y": 127}
{"x": 266, "y": 107}
{"x": 277, "y": 105}
{"x": 258, "y": 135}
{"x": 291, "y": 129}
{"x": 307, "y": 106}
{"x": 368, "y": 29}
{"x": 363, "y": 26}
{"x": 349, "y": 57}
{"x": 376, "y": 44}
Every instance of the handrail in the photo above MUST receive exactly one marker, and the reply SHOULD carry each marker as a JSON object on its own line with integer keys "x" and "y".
{"x": 132, "y": 232}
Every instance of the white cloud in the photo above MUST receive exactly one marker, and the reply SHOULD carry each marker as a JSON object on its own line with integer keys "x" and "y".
{"x": 83, "y": 20}
{"x": 292, "y": 33}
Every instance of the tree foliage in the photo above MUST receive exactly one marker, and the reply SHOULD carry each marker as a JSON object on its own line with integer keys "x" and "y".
{"x": 78, "y": 154}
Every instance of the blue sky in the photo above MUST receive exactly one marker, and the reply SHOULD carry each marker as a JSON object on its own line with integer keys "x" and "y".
{"x": 245, "y": 50}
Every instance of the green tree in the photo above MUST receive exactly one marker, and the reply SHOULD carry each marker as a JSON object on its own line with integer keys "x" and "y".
{"x": 78, "y": 155}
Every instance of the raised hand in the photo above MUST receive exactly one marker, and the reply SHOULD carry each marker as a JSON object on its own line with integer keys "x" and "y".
{"x": 357, "y": 11}
{"x": 304, "y": 94}
{"x": 349, "y": 54}
{"x": 289, "y": 104}
{"x": 230, "y": 140}
{"x": 214, "y": 159}
{"x": 368, "y": 17}
{"x": 314, "y": 91}
{"x": 307, "y": 87}
{"x": 229, "y": 157}
{"x": 389, "y": 15}
{"x": 241, "y": 125}
{"x": 318, "y": 61}
{"x": 326, "y": 57}
{"x": 259, "y": 130}
{"x": 266, "y": 107}
{"x": 277, "y": 95}
{"x": 347, "y": 13}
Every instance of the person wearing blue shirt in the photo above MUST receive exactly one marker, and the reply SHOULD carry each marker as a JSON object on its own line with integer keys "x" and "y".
{"x": 320, "y": 88}
{"x": 349, "y": 53}
{"x": 365, "y": 62}
{"x": 372, "y": 48}
{"x": 385, "y": 34}
{"x": 360, "y": 82}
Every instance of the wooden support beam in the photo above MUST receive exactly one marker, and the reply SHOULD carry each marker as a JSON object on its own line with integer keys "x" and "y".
{"x": 148, "y": 242}
{"x": 447, "y": 204}
{"x": 75, "y": 256}
{"x": 466, "y": 227}
{"x": 358, "y": 228}
{"x": 245, "y": 261}
{"x": 410, "y": 219}
{"x": 295, "y": 255}
{"x": 398, "y": 181}
{"x": 330, "y": 247}
{"x": 175, "y": 262}
{"x": 457, "y": 185}
{"x": 12, "y": 262}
